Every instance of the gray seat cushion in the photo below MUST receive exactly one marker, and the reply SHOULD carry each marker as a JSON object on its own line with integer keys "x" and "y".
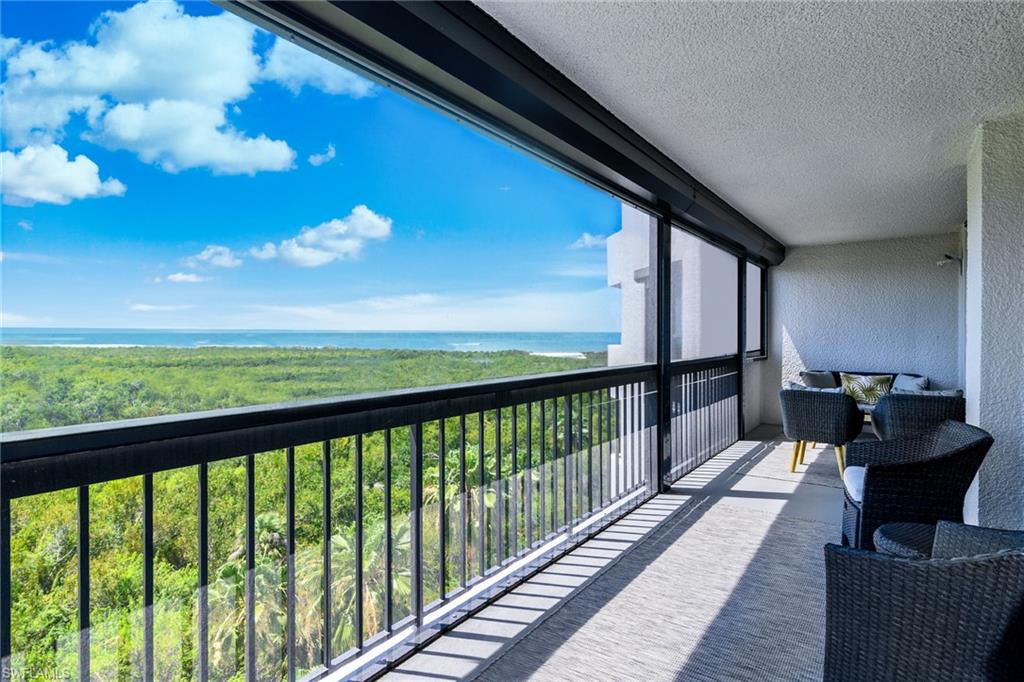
{"x": 818, "y": 379}
{"x": 905, "y": 382}
{"x": 853, "y": 480}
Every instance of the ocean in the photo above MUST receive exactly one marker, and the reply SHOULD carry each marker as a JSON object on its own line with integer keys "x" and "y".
{"x": 532, "y": 342}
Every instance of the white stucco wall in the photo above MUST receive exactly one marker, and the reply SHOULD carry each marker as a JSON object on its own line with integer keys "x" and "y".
{"x": 867, "y": 306}
{"x": 752, "y": 393}
{"x": 994, "y": 306}
{"x": 631, "y": 254}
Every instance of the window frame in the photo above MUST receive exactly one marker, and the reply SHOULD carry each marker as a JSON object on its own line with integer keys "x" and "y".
{"x": 761, "y": 352}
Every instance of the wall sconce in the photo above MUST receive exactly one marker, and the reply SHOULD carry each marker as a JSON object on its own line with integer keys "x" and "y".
{"x": 948, "y": 258}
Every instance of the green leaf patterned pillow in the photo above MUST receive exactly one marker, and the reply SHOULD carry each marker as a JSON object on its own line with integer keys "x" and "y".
{"x": 866, "y": 389}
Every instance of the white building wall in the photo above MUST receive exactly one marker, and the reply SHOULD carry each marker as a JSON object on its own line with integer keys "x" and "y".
{"x": 867, "y": 306}
{"x": 994, "y": 310}
{"x": 631, "y": 268}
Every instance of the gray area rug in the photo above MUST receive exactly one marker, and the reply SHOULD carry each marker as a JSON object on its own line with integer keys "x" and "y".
{"x": 725, "y": 590}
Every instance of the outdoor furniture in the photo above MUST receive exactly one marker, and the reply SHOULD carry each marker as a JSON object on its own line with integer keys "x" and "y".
{"x": 819, "y": 417}
{"x": 936, "y": 619}
{"x": 922, "y": 479}
{"x": 833, "y": 378}
{"x": 898, "y": 415}
{"x": 946, "y": 538}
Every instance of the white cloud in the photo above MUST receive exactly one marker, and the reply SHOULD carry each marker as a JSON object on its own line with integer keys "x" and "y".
{"x": 594, "y": 271}
{"x": 186, "y": 278}
{"x": 179, "y": 135}
{"x": 25, "y": 225}
{"x": 321, "y": 159}
{"x": 151, "y": 50}
{"x": 9, "y": 319}
{"x": 216, "y": 255}
{"x": 295, "y": 67}
{"x": 150, "y": 308}
{"x": 265, "y": 252}
{"x": 335, "y": 239}
{"x": 589, "y": 241}
{"x": 25, "y": 257}
{"x": 152, "y": 80}
{"x": 44, "y": 174}
{"x": 596, "y": 310}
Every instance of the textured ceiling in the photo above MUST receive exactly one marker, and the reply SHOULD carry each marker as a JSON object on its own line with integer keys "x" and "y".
{"x": 821, "y": 122}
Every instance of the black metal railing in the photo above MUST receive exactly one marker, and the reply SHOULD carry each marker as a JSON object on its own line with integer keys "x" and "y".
{"x": 705, "y": 406}
{"x": 285, "y": 541}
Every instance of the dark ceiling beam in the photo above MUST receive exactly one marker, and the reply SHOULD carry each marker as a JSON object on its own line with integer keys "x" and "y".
{"x": 458, "y": 57}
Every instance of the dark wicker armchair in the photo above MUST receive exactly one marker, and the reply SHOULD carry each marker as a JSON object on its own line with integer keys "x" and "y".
{"x": 922, "y": 479}
{"x": 819, "y": 417}
{"x": 944, "y": 539}
{"x": 899, "y": 415}
{"x": 933, "y": 620}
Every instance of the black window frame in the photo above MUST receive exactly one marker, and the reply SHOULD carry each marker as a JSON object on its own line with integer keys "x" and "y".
{"x": 761, "y": 352}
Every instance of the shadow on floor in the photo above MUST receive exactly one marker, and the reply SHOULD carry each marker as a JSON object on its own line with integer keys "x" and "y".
{"x": 730, "y": 586}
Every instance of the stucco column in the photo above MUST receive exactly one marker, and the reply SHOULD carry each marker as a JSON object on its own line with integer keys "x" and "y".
{"x": 994, "y": 315}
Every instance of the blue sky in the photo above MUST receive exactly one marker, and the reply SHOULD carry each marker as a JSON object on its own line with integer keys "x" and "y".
{"x": 170, "y": 166}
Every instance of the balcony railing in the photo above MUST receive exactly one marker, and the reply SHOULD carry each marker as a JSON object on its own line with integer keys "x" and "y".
{"x": 331, "y": 536}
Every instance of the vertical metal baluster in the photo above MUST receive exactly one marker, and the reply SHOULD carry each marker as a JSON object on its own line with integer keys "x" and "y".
{"x": 250, "y": 567}
{"x": 631, "y": 429}
{"x": 84, "y": 672}
{"x": 289, "y": 496}
{"x": 464, "y": 499}
{"x": 358, "y": 464}
{"x": 416, "y": 503}
{"x": 609, "y": 432}
{"x": 442, "y": 512}
{"x": 707, "y": 416}
{"x": 147, "y": 577}
{"x": 389, "y": 611}
{"x": 543, "y": 470}
{"x": 600, "y": 448}
{"x": 482, "y": 516}
{"x": 327, "y": 577}
{"x": 5, "y": 588}
{"x": 514, "y": 486}
{"x": 691, "y": 431}
{"x": 590, "y": 451}
{"x": 498, "y": 518}
{"x": 203, "y": 542}
{"x": 577, "y": 455}
{"x": 528, "y": 475}
{"x": 567, "y": 468}
{"x": 554, "y": 464}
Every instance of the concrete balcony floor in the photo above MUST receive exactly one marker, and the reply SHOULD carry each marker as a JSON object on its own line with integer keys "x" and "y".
{"x": 720, "y": 579}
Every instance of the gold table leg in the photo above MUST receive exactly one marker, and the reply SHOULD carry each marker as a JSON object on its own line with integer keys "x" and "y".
{"x": 841, "y": 458}
{"x": 798, "y": 455}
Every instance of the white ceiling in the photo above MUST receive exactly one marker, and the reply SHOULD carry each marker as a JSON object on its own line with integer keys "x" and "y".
{"x": 821, "y": 122}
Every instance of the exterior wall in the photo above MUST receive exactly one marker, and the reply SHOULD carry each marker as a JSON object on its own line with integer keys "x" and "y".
{"x": 752, "y": 389}
{"x": 994, "y": 344}
{"x": 869, "y": 306}
{"x": 703, "y": 288}
{"x": 631, "y": 259}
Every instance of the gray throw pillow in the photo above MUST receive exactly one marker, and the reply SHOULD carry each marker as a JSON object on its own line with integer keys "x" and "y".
{"x": 949, "y": 393}
{"x": 905, "y": 382}
{"x": 818, "y": 379}
{"x": 793, "y": 386}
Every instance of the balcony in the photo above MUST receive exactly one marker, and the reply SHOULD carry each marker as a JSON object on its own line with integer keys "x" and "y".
{"x": 690, "y": 583}
{"x": 362, "y": 569}
{"x": 850, "y": 201}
